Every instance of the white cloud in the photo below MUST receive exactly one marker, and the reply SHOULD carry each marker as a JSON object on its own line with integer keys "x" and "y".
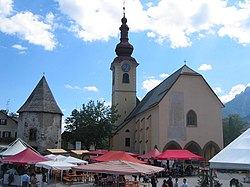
{"x": 164, "y": 75}
{"x": 108, "y": 103}
{"x": 237, "y": 89}
{"x": 205, "y": 67}
{"x": 167, "y": 20}
{"x": 237, "y": 23}
{"x": 217, "y": 90}
{"x": 19, "y": 47}
{"x": 150, "y": 84}
{"x": 26, "y": 26}
{"x": 5, "y": 7}
{"x": 86, "y": 88}
{"x": 72, "y": 87}
{"x": 91, "y": 88}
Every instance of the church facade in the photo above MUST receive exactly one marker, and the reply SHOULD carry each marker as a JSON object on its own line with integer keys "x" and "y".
{"x": 182, "y": 112}
{"x": 40, "y": 119}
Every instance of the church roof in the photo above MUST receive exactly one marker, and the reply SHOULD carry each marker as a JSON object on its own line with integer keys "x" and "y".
{"x": 41, "y": 100}
{"x": 155, "y": 95}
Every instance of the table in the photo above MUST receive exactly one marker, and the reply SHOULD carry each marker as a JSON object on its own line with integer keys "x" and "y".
{"x": 78, "y": 178}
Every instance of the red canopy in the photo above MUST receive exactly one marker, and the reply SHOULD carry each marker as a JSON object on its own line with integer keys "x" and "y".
{"x": 117, "y": 155}
{"x": 96, "y": 152}
{"x": 133, "y": 154}
{"x": 151, "y": 154}
{"x": 27, "y": 156}
{"x": 181, "y": 154}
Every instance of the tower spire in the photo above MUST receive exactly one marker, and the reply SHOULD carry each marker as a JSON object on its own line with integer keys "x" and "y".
{"x": 124, "y": 48}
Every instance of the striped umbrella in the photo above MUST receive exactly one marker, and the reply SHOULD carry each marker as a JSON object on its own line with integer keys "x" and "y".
{"x": 119, "y": 167}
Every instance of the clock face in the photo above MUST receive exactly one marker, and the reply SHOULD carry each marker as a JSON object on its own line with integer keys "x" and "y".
{"x": 126, "y": 66}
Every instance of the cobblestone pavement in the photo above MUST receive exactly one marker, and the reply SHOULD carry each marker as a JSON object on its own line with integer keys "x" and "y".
{"x": 223, "y": 178}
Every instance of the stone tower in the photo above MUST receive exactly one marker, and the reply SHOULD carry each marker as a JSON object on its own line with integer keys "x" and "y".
{"x": 124, "y": 75}
{"x": 40, "y": 119}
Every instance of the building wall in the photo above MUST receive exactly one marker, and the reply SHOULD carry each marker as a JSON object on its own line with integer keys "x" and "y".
{"x": 166, "y": 122}
{"x": 47, "y": 126}
{"x": 192, "y": 93}
{"x": 7, "y": 126}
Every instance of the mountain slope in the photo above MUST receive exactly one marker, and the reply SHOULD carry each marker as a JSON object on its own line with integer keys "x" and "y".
{"x": 239, "y": 105}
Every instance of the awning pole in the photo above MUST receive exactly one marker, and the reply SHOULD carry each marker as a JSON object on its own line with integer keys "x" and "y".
{"x": 211, "y": 177}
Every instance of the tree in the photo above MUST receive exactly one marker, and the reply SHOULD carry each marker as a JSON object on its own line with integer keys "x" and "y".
{"x": 93, "y": 124}
{"x": 232, "y": 127}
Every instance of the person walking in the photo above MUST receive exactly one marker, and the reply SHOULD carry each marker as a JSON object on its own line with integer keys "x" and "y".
{"x": 176, "y": 183}
{"x": 165, "y": 184}
{"x": 25, "y": 180}
{"x": 170, "y": 181}
{"x": 33, "y": 180}
{"x": 184, "y": 183}
{"x": 154, "y": 180}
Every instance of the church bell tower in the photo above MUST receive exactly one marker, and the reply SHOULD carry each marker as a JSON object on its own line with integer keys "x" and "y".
{"x": 124, "y": 74}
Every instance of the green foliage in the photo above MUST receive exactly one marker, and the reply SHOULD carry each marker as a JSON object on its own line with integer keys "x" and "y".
{"x": 232, "y": 127}
{"x": 92, "y": 124}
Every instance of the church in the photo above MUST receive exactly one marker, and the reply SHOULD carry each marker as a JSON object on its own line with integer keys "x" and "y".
{"x": 182, "y": 112}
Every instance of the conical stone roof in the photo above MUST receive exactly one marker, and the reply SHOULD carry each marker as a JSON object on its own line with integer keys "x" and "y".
{"x": 41, "y": 100}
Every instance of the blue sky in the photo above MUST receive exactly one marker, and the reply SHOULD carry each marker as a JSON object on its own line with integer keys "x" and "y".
{"x": 73, "y": 43}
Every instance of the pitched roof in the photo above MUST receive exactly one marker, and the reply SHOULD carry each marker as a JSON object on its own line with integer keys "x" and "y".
{"x": 7, "y": 116}
{"x": 154, "y": 96}
{"x": 41, "y": 100}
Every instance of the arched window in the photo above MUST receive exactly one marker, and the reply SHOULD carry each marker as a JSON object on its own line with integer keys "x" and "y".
{"x": 32, "y": 135}
{"x": 191, "y": 118}
{"x": 125, "y": 78}
{"x": 127, "y": 130}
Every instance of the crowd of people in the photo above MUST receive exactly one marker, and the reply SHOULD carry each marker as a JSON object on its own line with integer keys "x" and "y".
{"x": 169, "y": 182}
{"x": 27, "y": 173}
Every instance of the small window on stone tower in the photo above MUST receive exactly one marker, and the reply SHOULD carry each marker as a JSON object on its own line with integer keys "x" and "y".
{"x": 33, "y": 133}
{"x": 125, "y": 78}
{"x": 191, "y": 118}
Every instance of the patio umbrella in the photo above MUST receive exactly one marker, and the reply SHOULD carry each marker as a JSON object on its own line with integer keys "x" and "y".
{"x": 119, "y": 167}
{"x": 117, "y": 155}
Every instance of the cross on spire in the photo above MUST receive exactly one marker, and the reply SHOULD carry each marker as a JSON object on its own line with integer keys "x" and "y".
{"x": 123, "y": 8}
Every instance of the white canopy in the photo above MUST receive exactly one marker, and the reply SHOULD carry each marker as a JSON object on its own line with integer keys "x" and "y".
{"x": 52, "y": 164}
{"x": 15, "y": 147}
{"x": 235, "y": 155}
{"x": 68, "y": 159}
{"x": 74, "y": 160}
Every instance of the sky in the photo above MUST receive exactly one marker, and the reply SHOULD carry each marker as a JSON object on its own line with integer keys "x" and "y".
{"x": 72, "y": 43}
